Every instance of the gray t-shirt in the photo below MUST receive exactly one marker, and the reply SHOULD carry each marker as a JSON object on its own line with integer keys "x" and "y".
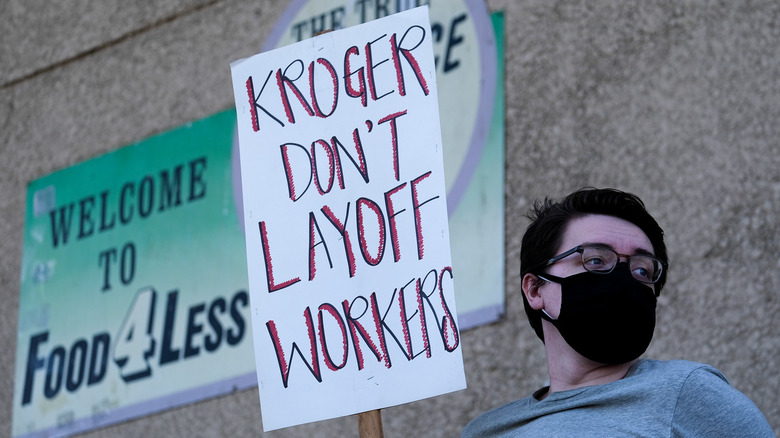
{"x": 655, "y": 399}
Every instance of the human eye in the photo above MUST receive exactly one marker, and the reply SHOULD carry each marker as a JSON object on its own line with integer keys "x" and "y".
{"x": 594, "y": 261}
{"x": 643, "y": 268}
{"x": 642, "y": 274}
{"x": 597, "y": 259}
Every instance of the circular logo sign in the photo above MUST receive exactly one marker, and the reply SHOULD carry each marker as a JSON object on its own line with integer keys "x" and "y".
{"x": 465, "y": 55}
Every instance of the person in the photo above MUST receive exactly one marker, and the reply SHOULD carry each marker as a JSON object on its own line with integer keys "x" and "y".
{"x": 592, "y": 267}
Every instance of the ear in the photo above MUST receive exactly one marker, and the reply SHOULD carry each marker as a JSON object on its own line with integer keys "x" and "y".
{"x": 531, "y": 290}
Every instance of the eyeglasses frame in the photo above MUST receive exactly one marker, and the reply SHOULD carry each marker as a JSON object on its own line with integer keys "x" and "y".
{"x": 581, "y": 248}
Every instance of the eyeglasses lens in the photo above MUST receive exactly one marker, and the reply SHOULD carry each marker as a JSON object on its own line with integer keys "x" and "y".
{"x": 598, "y": 259}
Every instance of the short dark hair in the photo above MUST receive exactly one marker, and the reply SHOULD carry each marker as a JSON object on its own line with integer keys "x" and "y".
{"x": 549, "y": 220}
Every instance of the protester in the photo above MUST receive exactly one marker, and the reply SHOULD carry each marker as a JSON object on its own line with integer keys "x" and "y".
{"x": 592, "y": 267}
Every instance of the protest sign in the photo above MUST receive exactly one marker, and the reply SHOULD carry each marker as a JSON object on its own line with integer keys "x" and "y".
{"x": 345, "y": 216}
{"x": 468, "y": 55}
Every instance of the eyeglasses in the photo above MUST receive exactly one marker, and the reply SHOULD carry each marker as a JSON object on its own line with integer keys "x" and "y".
{"x": 601, "y": 259}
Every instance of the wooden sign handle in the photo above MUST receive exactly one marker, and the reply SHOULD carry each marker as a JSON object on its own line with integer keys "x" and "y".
{"x": 370, "y": 424}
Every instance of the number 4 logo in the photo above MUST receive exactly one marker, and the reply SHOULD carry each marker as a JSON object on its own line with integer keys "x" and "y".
{"x": 135, "y": 343}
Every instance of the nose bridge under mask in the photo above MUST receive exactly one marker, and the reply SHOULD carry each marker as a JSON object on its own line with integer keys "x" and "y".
{"x": 608, "y": 318}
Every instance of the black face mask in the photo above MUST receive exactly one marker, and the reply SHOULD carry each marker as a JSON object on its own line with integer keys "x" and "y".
{"x": 607, "y": 318}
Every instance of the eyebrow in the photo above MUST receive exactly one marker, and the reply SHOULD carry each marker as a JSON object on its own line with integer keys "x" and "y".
{"x": 637, "y": 251}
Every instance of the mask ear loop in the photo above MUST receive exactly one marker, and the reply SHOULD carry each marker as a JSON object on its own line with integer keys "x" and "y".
{"x": 554, "y": 280}
{"x": 549, "y": 318}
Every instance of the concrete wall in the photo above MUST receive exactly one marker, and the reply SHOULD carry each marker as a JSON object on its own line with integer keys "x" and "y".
{"x": 677, "y": 101}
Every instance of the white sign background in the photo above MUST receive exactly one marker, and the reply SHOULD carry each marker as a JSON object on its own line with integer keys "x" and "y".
{"x": 348, "y": 254}
{"x": 470, "y": 84}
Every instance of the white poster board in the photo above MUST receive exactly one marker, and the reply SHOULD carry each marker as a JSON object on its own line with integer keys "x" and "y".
{"x": 348, "y": 255}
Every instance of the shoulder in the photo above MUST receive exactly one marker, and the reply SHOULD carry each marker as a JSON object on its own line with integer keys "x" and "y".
{"x": 707, "y": 405}
{"x": 673, "y": 368}
{"x": 690, "y": 381}
{"x": 496, "y": 421}
{"x": 676, "y": 375}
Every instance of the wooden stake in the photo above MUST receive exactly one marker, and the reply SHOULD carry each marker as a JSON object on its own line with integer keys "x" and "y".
{"x": 370, "y": 424}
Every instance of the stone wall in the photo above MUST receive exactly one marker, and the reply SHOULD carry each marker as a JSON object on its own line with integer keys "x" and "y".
{"x": 677, "y": 101}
